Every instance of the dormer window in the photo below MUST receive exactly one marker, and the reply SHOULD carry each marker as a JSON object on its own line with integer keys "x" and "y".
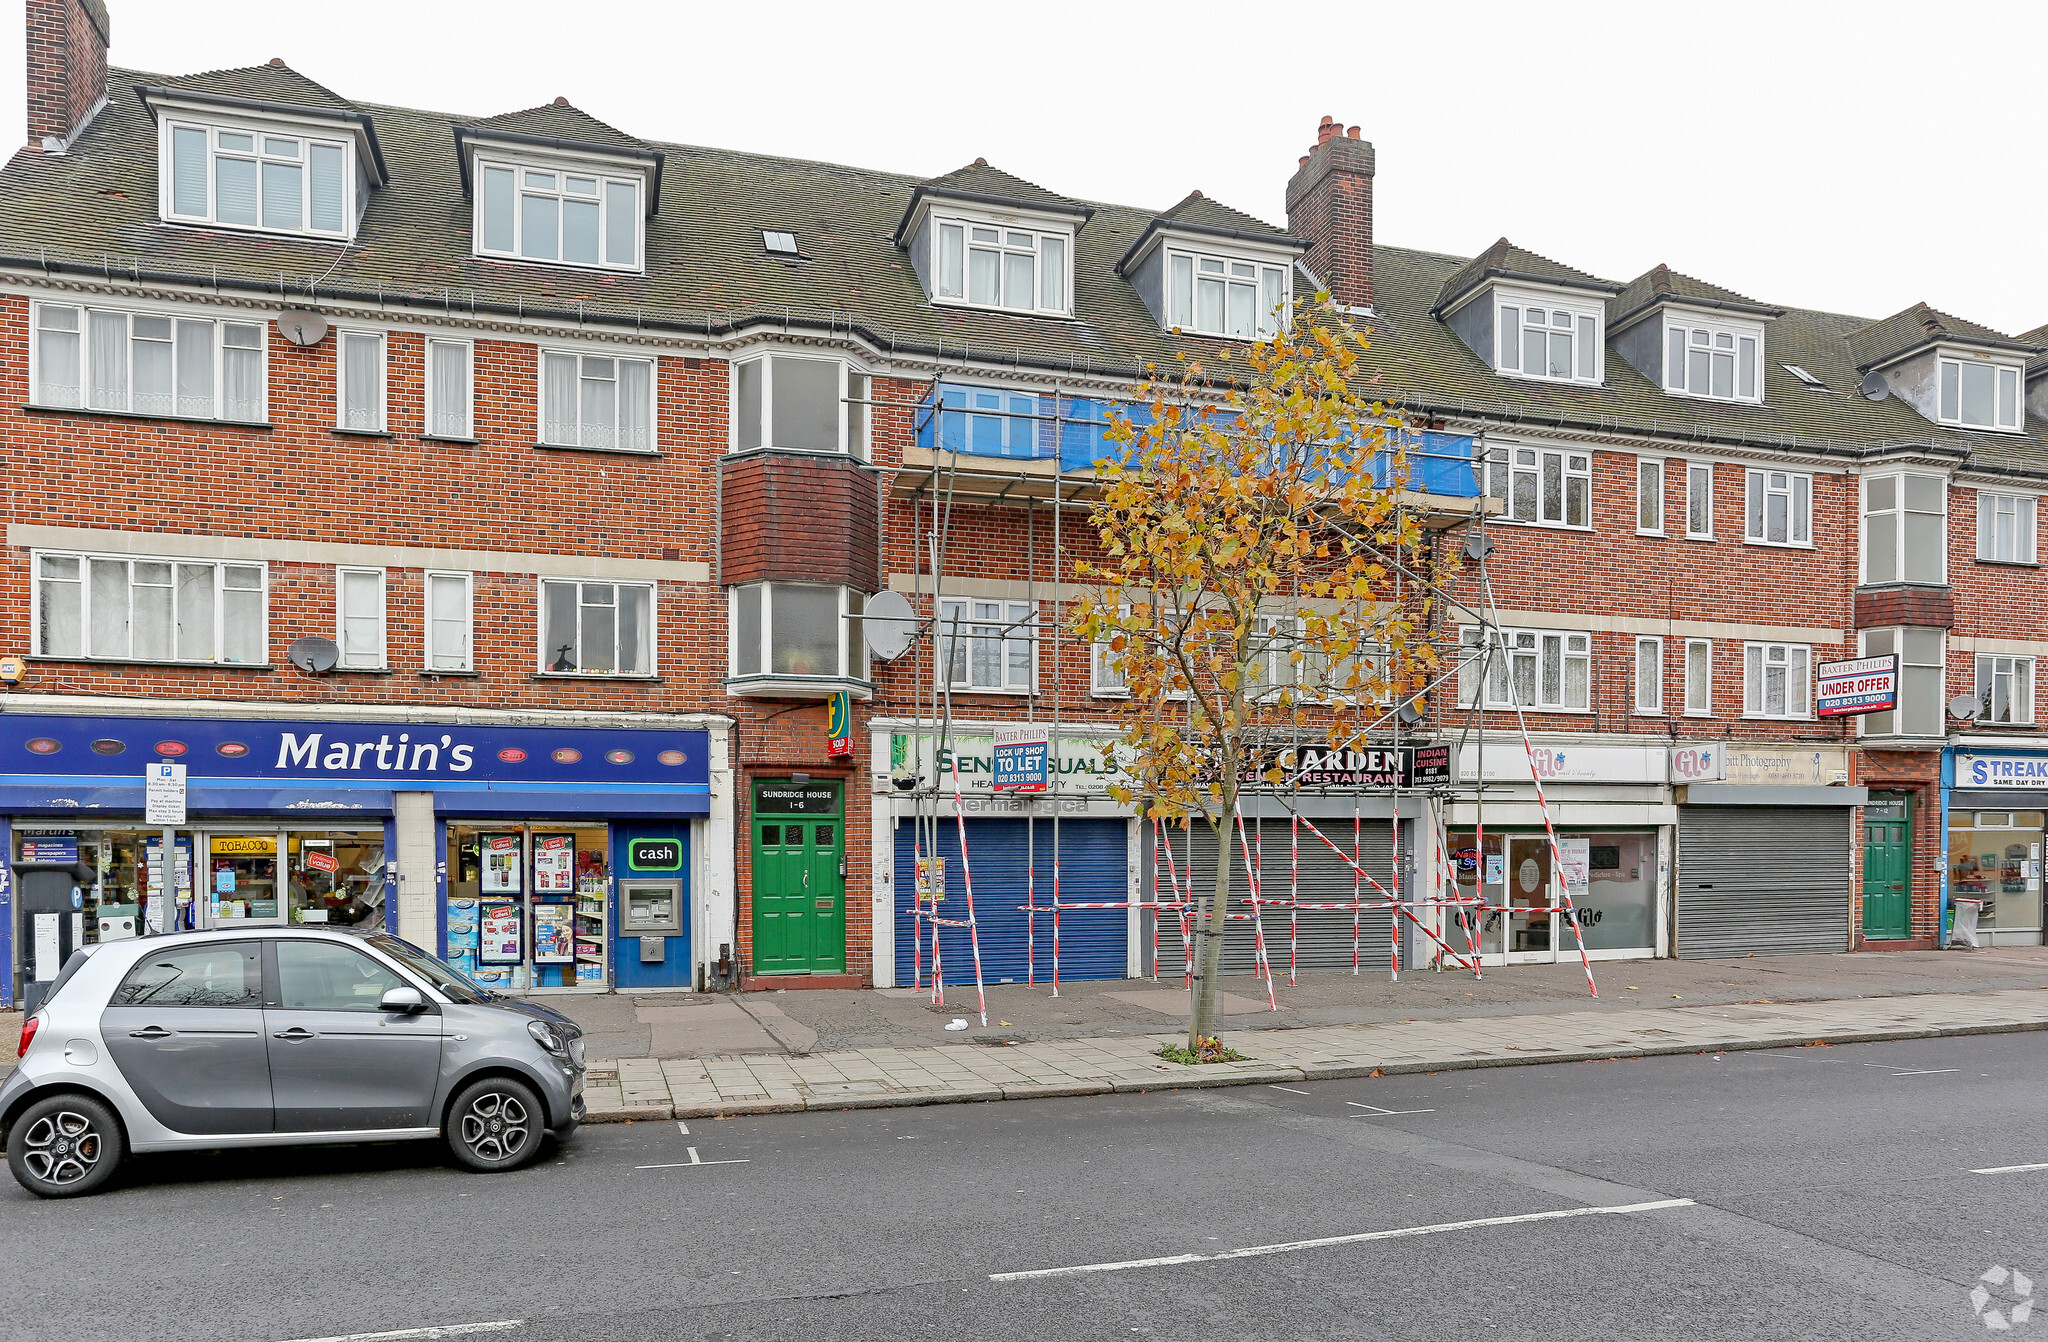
{"x": 990, "y": 265}
{"x": 1546, "y": 341}
{"x": 1718, "y": 362}
{"x": 1979, "y": 395}
{"x": 256, "y": 177}
{"x": 533, "y": 211}
{"x": 1224, "y": 296}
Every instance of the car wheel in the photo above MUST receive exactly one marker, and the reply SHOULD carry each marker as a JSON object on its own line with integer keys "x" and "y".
{"x": 65, "y": 1146}
{"x": 496, "y": 1124}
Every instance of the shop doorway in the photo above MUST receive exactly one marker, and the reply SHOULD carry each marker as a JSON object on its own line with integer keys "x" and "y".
{"x": 799, "y": 898}
{"x": 1888, "y": 866}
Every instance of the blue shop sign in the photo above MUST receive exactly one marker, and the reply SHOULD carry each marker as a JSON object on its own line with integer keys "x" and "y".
{"x": 1989, "y": 771}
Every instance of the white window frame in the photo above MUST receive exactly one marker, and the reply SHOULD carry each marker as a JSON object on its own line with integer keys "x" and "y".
{"x": 852, "y": 644}
{"x": 961, "y": 622}
{"x": 1696, "y": 349}
{"x": 1535, "y": 644}
{"x": 1763, "y": 482}
{"x": 1586, "y": 336}
{"x": 561, "y": 168}
{"x": 342, "y": 617}
{"x": 1651, "y": 648}
{"x": 82, "y": 314}
{"x": 550, "y": 420}
{"x": 855, "y": 407}
{"x": 258, "y": 131}
{"x": 85, "y": 560}
{"x": 1758, "y": 659}
{"x": 430, "y": 426}
{"x": 428, "y": 619}
{"x": 1040, "y": 228}
{"x": 1652, "y": 496}
{"x": 2007, "y": 416}
{"x": 2024, "y": 511}
{"x": 1699, "y": 488}
{"x": 342, "y": 338}
{"x": 1508, "y": 463}
{"x": 1104, "y": 682}
{"x": 546, "y": 655}
{"x": 1991, "y": 667}
{"x": 1893, "y": 639}
{"x": 1267, "y": 274}
{"x": 1699, "y": 691}
{"x": 1894, "y": 519}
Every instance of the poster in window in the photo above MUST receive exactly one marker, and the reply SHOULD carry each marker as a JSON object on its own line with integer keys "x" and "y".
{"x": 501, "y": 857}
{"x": 554, "y": 934}
{"x": 554, "y": 864}
{"x": 1576, "y": 855}
{"x": 499, "y": 932}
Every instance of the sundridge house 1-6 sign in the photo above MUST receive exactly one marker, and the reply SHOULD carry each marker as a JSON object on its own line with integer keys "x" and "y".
{"x": 1866, "y": 685}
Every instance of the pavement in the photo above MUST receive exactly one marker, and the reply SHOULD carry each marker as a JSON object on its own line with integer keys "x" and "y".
{"x": 1841, "y": 1193}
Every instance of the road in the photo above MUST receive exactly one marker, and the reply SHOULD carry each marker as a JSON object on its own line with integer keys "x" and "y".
{"x": 1818, "y": 1193}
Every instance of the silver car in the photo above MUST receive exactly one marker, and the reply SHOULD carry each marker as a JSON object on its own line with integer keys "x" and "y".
{"x": 278, "y": 1037}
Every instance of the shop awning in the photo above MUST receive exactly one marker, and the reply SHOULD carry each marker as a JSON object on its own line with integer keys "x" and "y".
{"x": 507, "y": 803}
{"x": 80, "y": 798}
{"x": 52, "y": 797}
{"x": 1998, "y": 799}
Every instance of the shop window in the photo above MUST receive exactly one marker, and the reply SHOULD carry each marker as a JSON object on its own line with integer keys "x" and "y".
{"x": 1649, "y": 675}
{"x": 1699, "y": 501}
{"x": 2005, "y": 689}
{"x": 1922, "y": 685}
{"x": 596, "y": 628}
{"x": 359, "y": 617}
{"x": 448, "y": 622}
{"x": 1225, "y": 295}
{"x": 360, "y": 387}
{"x": 1699, "y": 678}
{"x": 804, "y": 404}
{"x": 797, "y": 630}
{"x": 1551, "y": 486}
{"x": 570, "y": 218}
{"x": 597, "y": 402}
{"x": 1023, "y": 269}
{"x": 527, "y": 904}
{"x": 249, "y": 177}
{"x": 990, "y": 645}
{"x": 1779, "y": 509}
{"x": 1776, "y": 680}
{"x": 1905, "y": 529}
{"x": 125, "y": 609}
{"x": 449, "y": 391}
{"x": 144, "y": 364}
{"x": 1529, "y": 668}
{"x": 2005, "y": 528}
{"x": 1995, "y": 857}
{"x": 1649, "y": 497}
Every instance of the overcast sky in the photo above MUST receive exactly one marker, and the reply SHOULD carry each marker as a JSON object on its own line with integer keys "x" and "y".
{"x": 1847, "y": 156}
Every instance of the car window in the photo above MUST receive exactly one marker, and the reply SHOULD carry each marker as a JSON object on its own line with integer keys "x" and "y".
{"x": 325, "y": 976}
{"x": 445, "y": 979}
{"x": 227, "y": 974}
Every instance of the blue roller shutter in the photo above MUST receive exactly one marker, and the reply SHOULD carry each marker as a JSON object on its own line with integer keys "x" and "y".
{"x": 1093, "y": 857}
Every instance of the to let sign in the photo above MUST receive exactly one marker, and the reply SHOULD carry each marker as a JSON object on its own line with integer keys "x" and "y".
{"x": 163, "y": 794}
{"x": 1865, "y": 685}
{"x": 1019, "y": 757}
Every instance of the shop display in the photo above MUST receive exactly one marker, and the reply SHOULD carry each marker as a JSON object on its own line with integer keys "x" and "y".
{"x": 554, "y": 863}
{"x": 501, "y": 863}
{"x": 499, "y": 930}
{"x": 552, "y": 934}
{"x": 528, "y": 909}
{"x": 464, "y": 935}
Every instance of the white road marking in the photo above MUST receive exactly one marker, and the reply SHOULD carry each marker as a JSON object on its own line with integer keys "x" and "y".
{"x": 1374, "y": 1111}
{"x": 684, "y": 1127}
{"x": 694, "y": 1159}
{"x": 1929, "y": 1071}
{"x": 1289, "y": 1089}
{"x": 2012, "y": 1169}
{"x": 445, "y": 1330}
{"x": 1262, "y": 1250}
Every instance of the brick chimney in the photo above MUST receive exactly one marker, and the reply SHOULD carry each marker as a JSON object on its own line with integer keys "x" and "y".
{"x": 1329, "y": 203}
{"x": 67, "y": 68}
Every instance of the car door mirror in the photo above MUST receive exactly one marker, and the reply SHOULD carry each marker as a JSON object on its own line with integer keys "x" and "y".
{"x": 405, "y": 1001}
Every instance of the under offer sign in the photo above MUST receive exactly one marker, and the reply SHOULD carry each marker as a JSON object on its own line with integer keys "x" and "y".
{"x": 1020, "y": 753}
{"x": 1865, "y": 685}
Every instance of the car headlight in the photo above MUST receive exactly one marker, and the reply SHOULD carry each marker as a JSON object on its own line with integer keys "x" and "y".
{"x": 548, "y": 1037}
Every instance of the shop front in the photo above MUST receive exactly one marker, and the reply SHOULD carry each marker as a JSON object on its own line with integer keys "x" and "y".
{"x": 509, "y": 849}
{"x": 1993, "y": 804}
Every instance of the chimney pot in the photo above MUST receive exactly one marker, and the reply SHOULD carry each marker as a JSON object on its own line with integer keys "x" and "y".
{"x": 1304, "y": 160}
{"x": 1352, "y": 133}
{"x": 277, "y": 60}
{"x": 561, "y": 101}
{"x": 1329, "y": 203}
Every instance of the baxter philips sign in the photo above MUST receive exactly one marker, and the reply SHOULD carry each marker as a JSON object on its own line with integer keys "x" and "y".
{"x": 2018, "y": 771}
{"x": 375, "y": 754}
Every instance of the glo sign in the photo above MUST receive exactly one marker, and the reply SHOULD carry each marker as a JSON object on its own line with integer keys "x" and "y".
{"x": 654, "y": 854}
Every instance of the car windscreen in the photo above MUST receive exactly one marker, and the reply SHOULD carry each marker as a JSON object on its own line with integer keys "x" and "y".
{"x": 445, "y": 978}
{"x": 68, "y": 972}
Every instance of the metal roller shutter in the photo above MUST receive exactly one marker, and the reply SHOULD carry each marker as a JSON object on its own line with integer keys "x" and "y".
{"x": 1756, "y": 880}
{"x": 1324, "y": 935}
{"x": 1093, "y": 856}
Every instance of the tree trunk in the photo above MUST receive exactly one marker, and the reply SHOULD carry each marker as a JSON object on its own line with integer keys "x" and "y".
{"x": 1204, "y": 1011}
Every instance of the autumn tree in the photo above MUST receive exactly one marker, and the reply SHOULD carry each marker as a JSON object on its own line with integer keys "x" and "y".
{"x": 1249, "y": 592}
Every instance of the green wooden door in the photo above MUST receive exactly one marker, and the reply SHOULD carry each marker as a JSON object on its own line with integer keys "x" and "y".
{"x": 799, "y": 895}
{"x": 1888, "y": 868}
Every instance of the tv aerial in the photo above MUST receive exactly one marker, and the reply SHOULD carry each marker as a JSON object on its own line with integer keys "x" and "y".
{"x": 313, "y": 654}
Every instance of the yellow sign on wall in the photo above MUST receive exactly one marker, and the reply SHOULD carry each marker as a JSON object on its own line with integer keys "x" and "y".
{"x": 246, "y": 845}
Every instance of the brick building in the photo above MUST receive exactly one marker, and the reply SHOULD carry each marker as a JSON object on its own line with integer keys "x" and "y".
{"x": 582, "y": 454}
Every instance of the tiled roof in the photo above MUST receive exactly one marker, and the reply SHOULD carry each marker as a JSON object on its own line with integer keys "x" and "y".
{"x": 1506, "y": 259}
{"x": 980, "y": 179}
{"x": 1199, "y": 211}
{"x": 275, "y": 82}
{"x": 1663, "y": 284}
{"x": 560, "y": 121}
{"x": 1920, "y": 325}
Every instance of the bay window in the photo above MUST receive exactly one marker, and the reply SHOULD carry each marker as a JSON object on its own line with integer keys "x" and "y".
{"x": 359, "y": 388}
{"x": 596, "y": 628}
{"x": 1922, "y": 654}
{"x": 1529, "y": 668}
{"x": 2005, "y": 689}
{"x": 1225, "y": 295}
{"x": 1905, "y": 529}
{"x": 251, "y": 177}
{"x": 138, "y": 363}
{"x": 129, "y": 609}
{"x": 1776, "y": 681}
{"x": 359, "y": 618}
{"x": 807, "y": 404}
{"x": 990, "y": 645}
{"x": 1549, "y": 485}
{"x": 578, "y": 217}
{"x": 1980, "y": 395}
{"x": 2005, "y": 528}
{"x": 1780, "y": 508}
{"x": 597, "y": 401}
{"x": 1553, "y": 343}
{"x": 1023, "y": 268}
{"x": 1717, "y": 362}
{"x": 797, "y": 631}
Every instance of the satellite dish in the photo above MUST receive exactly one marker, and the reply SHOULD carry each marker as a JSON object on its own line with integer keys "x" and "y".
{"x": 1874, "y": 387}
{"x": 313, "y": 654}
{"x": 1963, "y": 706}
{"x": 302, "y": 327}
{"x": 1478, "y": 546}
{"x": 889, "y": 624}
